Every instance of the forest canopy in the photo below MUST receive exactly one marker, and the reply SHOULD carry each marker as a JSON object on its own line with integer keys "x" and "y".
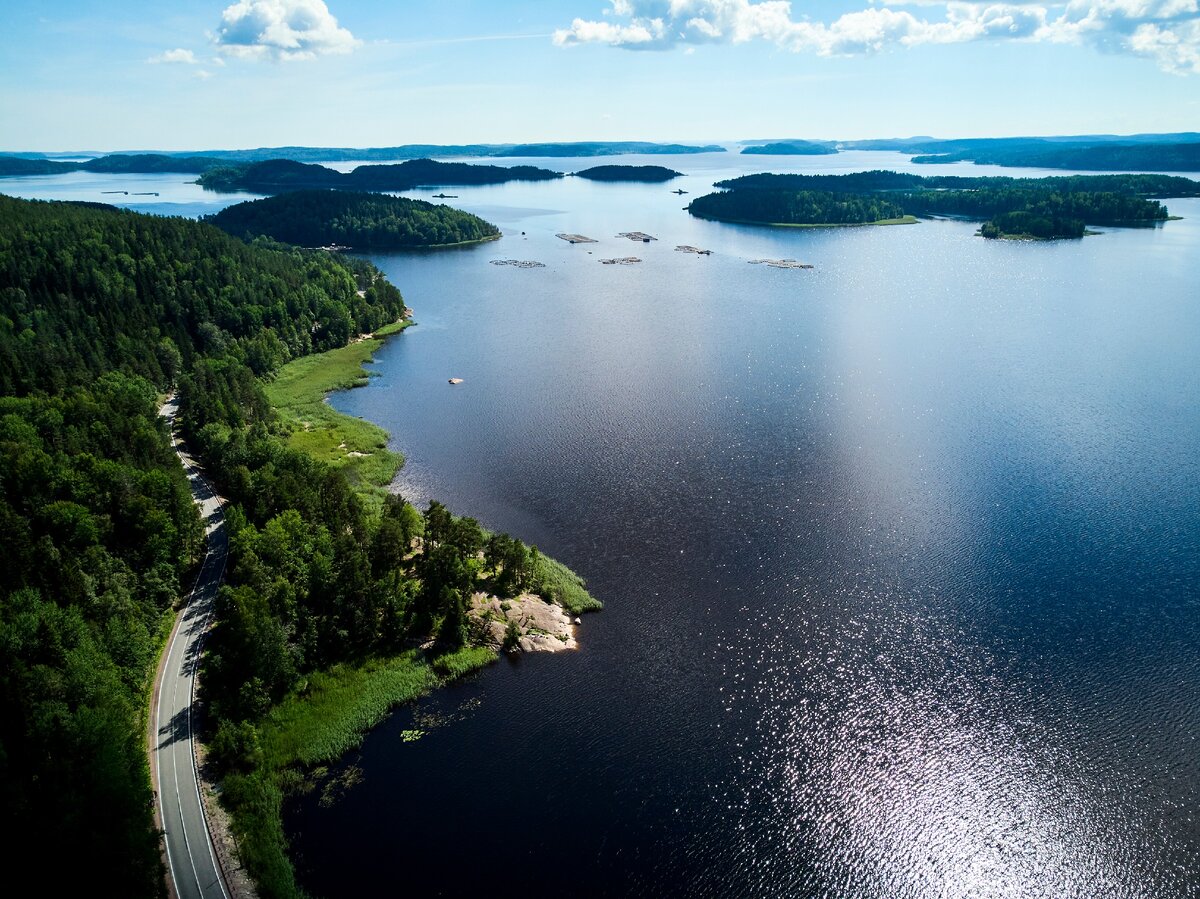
{"x": 1041, "y": 207}
{"x": 651, "y": 174}
{"x": 360, "y": 220}
{"x": 278, "y": 175}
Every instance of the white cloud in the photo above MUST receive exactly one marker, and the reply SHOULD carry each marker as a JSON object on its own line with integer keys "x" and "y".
{"x": 187, "y": 57}
{"x": 281, "y": 30}
{"x": 1167, "y": 31}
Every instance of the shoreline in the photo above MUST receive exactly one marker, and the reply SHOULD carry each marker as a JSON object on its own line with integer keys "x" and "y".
{"x": 334, "y": 709}
{"x": 902, "y": 220}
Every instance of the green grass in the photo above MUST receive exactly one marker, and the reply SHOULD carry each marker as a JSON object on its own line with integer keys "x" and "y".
{"x": 462, "y": 662}
{"x": 554, "y": 580}
{"x": 316, "y": 725}
{"x": 359, "y": 447}
{"x": 338, "y": 706}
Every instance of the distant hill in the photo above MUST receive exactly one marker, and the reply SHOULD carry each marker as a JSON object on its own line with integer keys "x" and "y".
{"x": 1148, "y": 157}
{"x": 610, "y": 148}
{"x": 443, "y": 151}
{"x": 143, "y": 163}
{"x": 312, "y": 218}
{"x": 651, "y": 174}
{"x": 789, "y": 148}
{"x": 279, "y": 175}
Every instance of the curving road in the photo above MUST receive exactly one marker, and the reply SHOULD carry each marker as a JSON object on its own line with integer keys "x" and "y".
{"x": 191, "y": 860}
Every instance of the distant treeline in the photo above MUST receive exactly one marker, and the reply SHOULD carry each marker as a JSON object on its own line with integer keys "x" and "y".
{"x": 365, "y": 221}
{"x": 1040, "y": 207}
{"x": 1104, "y": 157}
{"x": 1178, "y": 152}
{"x": 279, "y": 175}
{"x": 144, "y": 163}
{"x": 790, "y": 148}
{"x": 650, "y": 174}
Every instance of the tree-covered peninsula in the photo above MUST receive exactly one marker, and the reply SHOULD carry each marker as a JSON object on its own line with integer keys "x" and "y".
{"x": 315, "y": 218}
{"x": 278, "y": 175}
{"x": 649, "y": 174}
{"x": 1027, "y": 207}
{"x": 328, "y": 580}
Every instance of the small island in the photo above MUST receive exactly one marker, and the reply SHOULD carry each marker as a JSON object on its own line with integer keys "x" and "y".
{"x": 789, "y": 148}
{"x": 319, "y": 218}
{"x": 279, "y": 175}
{"x": 648, "y": 174}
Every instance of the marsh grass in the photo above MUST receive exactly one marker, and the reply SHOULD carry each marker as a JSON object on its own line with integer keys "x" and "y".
{"x": 316, "y": 724}
{"x": 298, "y": 393}
{"x": 462, "y": 662}
{"x": 554, "y": 580}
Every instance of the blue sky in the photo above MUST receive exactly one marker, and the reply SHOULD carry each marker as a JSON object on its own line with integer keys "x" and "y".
{"x": 78, "y": 74}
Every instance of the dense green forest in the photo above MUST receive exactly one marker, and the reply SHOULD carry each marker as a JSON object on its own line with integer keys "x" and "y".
{"x": 100, "y": 310}
{"x": 278, "y": 175}
{"x": 99, "y": 536}
{"x": 794, "y": 207}
{"x": 367, "y": 221}
{"x": 1043, "y": 207}
{"x": 85, "y": 290}
{"x": 651, "y": 174}
{"x": 789, "y": 148}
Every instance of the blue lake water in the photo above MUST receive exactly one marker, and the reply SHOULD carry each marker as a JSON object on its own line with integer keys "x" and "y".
{"x": 900, "y": 558}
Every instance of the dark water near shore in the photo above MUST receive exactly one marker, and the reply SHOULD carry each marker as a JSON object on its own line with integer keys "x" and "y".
{"x": 900, "y": 559}
{"x": 899, "y": 554}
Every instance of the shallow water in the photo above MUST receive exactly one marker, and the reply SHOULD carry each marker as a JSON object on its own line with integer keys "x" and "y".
{"x": 899, "y": 557}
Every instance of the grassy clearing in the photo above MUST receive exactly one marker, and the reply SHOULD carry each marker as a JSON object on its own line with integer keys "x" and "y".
{"x": 298, "y": 393}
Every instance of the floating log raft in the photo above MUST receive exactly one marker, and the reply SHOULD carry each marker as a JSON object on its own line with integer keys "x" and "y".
{"x": 780, "y": 263}
{"x": 519, "y": 263}
{"x": 638, "y": 235}
{"x": 621, "y": 260}
{"x": 684, "y": 248}
{"x": 575, "y": 238}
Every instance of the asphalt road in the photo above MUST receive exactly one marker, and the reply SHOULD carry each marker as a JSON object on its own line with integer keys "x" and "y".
{"x": 191, "y": 861}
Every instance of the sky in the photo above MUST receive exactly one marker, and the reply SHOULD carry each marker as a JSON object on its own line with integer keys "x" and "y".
{"x": 127, "y": 74}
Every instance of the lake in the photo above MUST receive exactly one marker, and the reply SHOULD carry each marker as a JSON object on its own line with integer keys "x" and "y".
{"x": 899, "y": 555}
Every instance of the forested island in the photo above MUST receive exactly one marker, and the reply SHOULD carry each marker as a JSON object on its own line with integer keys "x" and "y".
{"x": 278, "y": 175}
{"x": 142, "y": 163}
{"x": 1009, "y": 207}
{"x": 317, "y": 218}
{"x": 650, "y": 174}
{"x": 329, "y": 578}
{"x": 789, "y": 148}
